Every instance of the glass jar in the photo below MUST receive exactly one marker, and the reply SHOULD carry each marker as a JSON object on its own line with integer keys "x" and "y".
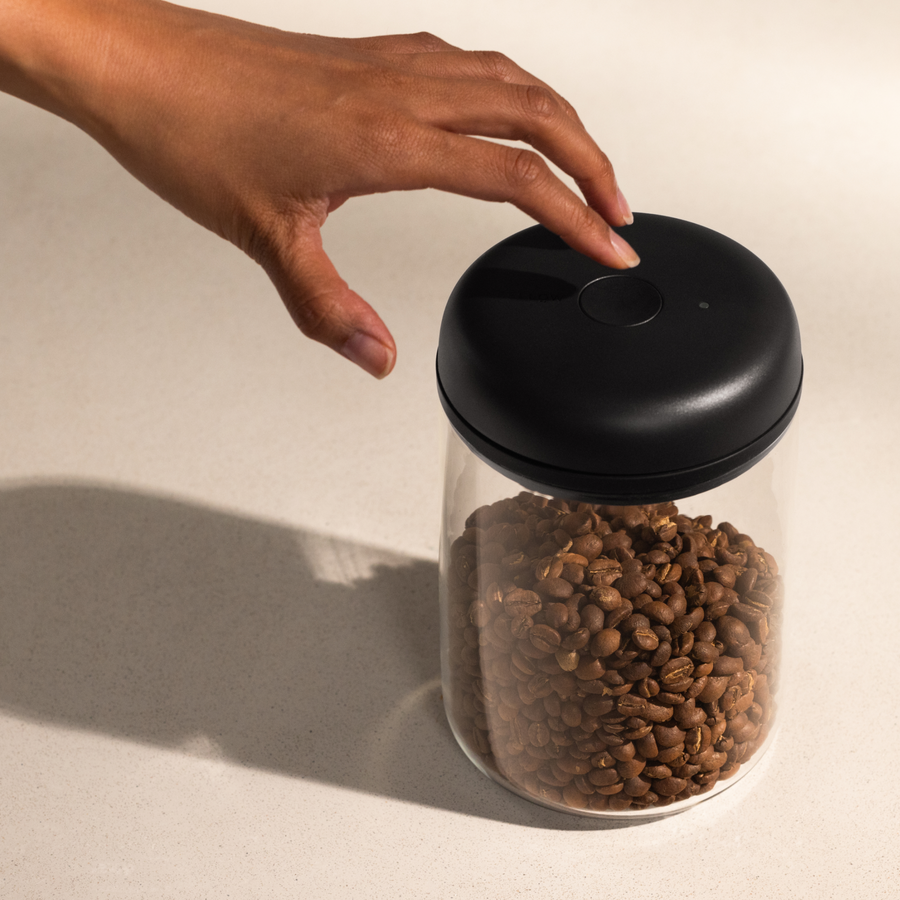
{"x": 615, "y": 510}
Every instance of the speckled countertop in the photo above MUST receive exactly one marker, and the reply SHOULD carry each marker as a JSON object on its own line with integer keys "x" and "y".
{"x": 189, "y": 490}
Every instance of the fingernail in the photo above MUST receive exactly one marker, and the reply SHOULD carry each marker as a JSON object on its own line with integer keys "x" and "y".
{"x": 369, "y": 354}
{"x": 625, "y": 209}
{"x": 624, "y": 250}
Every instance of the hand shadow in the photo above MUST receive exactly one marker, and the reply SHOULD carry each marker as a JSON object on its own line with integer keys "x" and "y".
{"x": 212, "y": 634}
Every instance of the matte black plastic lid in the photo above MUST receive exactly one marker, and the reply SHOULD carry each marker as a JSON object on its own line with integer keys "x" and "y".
{"x": 656, "y": 383}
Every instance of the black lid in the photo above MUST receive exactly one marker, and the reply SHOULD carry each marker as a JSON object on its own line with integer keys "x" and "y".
{"x": 653, "y": 383}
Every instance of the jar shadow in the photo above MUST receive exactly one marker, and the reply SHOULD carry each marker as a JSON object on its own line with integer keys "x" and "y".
{"x": 179, "y": 626}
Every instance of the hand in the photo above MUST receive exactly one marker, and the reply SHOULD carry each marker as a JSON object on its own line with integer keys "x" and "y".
{"x": 260, "y": 134}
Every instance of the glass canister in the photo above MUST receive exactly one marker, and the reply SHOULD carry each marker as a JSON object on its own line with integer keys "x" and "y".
{"x": 618, "y": 471}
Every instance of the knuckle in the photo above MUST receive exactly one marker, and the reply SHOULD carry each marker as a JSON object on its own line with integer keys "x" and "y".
{"x": 537, "y": 102}
{"x": 312, "y": 313}
{"x": 524, "y": 169}
{"x": 426, "y": 42}
{"x": 497, "y": 66}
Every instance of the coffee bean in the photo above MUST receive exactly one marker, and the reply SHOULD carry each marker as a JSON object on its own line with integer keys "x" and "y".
{"x": 545, "y": 638}
{"x": 636, "y": 671}
{"x": 567, "y": 660}
{"x": 753, "y": 617}
{"x": 668, "y": 735}
{"x": 575, "y": 641}
{"x": 688, "y": 622}
{"x": 675, "y": 671}
{"x": 716, "y": 685}
{"x": 632, "y": 705}
{"x": 732, "y": 631}
{"x": 659, "y": 612}
{"x": 519, "y": 603}
{"x": 554, "y": 588}
{"x": 661, "y": 655}
{"x": 589, "y": 669}
{"x": 630, "y": 768}
{"x": 668, "y": 787}
{"x": 657, "y": 712}
{"x": 632, "y": 584}
{"x": 688, "y": 716}
{"x": 618, "y": 615}
{"x": 577, "y": 523}
{"x": 606, "y": 642}
{"x": 727, "y": 665}
{"x": 606, "y": 597}
{"x": 592, "y": 617}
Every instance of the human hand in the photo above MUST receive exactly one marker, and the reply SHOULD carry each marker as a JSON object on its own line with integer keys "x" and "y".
{"x": 260, "y": 134}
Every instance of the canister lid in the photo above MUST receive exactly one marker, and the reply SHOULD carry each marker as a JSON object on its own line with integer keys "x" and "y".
{"x": 653, "y": 383}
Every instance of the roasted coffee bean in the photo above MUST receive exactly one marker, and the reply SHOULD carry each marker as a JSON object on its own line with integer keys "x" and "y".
{"x": 554, "y": 588}
{"x": 545, "y": 638}
{"x": 597, "y": 706}
{"x": 732, "y": 632}
{"x": 672, "y": 756}
{"x": 573, "y": 573}
{"x": 668, "y": 735}
{"x": 689, "y": 622}
{"x": 556, "y": 614}
{"x": 576, "y": 523}
{"x": 592, "y": 617}
{"x": 657, "y": 712}
{"x": 675, "y": 671}
{"x": 519, "y": 603}
{"x": 704, "y": 652}
{"x": 606, "y": 597}
{"x": 590, "y": 546}
{"x": 589, "y": 668}
{"x": 567, "y": 660}
{"x": 606, "y": 642}
{"x": 601, "y": 777}
{"x": 636, "y": 671}
{"x": 668, "y": 787}
{"x": 632, "y": 584}
{"x": 727, "y": 665}
{"x": 688, "y": 716}
{"x": 632, "y": 705}
{"x": 618, "y": 615}
{"x": 577, "y": 640}
{"x": 659, "y": 612}
{"x": 661, "y": 655}
{"x": 754, "y": 618}
{"x": 629, "y": 768}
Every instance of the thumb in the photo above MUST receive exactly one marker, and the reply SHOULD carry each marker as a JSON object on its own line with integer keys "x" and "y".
{"x": 326, "y": 310}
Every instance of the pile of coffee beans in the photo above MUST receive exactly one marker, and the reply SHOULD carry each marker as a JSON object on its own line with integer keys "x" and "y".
{"x": 610, "y": 658}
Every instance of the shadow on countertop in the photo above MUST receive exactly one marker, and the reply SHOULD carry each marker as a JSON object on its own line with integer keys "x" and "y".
{"x": 211, "y": 634}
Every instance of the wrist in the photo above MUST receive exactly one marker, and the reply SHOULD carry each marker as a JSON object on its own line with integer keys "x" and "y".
{"x": 68, "y": 56}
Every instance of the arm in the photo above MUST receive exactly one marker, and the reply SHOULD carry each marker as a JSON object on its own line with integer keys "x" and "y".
{"x": 259, "y": 134}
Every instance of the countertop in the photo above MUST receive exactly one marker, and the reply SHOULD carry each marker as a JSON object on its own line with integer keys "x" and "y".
{"x": 219, "y": 664}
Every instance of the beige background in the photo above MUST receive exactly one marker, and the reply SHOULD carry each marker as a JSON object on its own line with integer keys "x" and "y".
{"x": 218, "y": 630}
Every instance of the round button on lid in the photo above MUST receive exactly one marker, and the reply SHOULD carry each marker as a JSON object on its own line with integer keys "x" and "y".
{"x": 620, "y": 300}
{"x": 580, "y": 380}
